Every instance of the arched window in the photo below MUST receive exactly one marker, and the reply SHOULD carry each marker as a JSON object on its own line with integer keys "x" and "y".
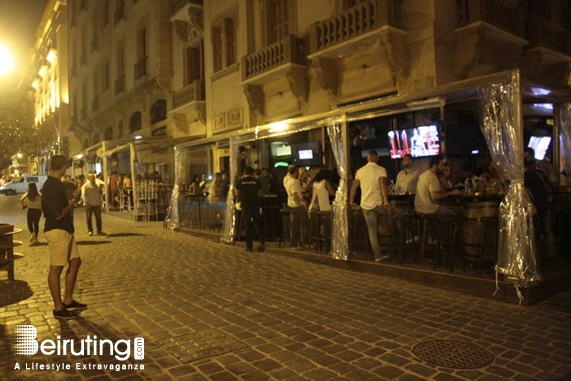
{"x": 108, "y": 133}
{"x": 158, "y": 111}
{"x": 136, "y": 122}
{"x": 85, "y": 143}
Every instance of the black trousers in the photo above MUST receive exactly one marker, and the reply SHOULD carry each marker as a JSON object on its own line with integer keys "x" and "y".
{"x": 90, "y": 211}
{"x": 34, "y": 220}
{"x": 251, "y": 218}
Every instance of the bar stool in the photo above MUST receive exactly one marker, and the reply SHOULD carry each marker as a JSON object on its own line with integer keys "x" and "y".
{"x": 359, "y": 232}
{"x": 481, "y": 241}
{"x": 408, "y": 224}
{"x": 444, "y": 226}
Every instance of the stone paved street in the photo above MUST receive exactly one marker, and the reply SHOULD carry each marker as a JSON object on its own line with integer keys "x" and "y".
{"x": 209, "y": 311}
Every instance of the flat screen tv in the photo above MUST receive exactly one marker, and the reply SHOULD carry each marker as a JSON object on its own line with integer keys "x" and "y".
{"x": 421, "y": 141}
{"x": 540, "y": 144}
{"x": 307, "y": 154}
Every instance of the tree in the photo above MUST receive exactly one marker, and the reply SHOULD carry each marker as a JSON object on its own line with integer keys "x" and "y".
{"x": 19, "y": 135}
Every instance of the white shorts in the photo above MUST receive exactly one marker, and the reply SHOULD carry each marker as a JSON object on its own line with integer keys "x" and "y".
{"x": 62, "y": 247}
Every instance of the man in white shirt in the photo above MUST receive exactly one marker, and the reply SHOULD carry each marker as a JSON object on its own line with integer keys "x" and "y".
{"x": 429, "y": 192}
{"x": 297, "y": 207}
{"x": 407, "y": 178}
{"x": 91, "y": 195}
{"x": 372, "y": 178}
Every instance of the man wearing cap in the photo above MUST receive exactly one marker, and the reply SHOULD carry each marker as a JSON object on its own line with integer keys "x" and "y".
{"x": 58, "y": 211}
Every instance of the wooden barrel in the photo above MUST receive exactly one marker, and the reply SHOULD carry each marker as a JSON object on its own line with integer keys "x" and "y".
{"x": 478, "y": 214}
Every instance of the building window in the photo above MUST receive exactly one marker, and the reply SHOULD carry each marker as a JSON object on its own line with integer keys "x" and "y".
{"x": 193, "y": 65}
{"x": 277, "y": 20}
{"x": 105, "y": 77}
{"x": 158, "y": 111}
{"x": 141, "y": 64}
{"x": 105, "y": 13}
{"x": 136, "y": 122}
{"x": 224, "y": 44}
{"x": 108, "y": 134}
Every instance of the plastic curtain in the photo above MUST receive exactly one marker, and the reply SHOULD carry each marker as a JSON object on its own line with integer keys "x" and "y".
{"x": 565, "y": 138}
{"x": 173, "y": 221}
{"x": 229, "y": 229}
{"x": 340, "y": 228}
{"x": 500, "y": 125}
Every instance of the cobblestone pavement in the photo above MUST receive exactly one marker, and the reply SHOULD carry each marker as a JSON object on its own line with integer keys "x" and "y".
{"x": 209, "y": 311}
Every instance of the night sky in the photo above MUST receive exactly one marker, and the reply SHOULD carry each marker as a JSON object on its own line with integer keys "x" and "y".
{"x": 19, "y": 21}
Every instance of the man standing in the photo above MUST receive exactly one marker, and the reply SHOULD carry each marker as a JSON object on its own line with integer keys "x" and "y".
{"x": 428, "y": 191}
{"x": 297, "y": 207}
{"x": 58, "y": 208}
{"x": 249, "y": 190}
{"x": 372, "y": 178}
{"x": 91, "y": 195}
{"x": 407, "y": 178}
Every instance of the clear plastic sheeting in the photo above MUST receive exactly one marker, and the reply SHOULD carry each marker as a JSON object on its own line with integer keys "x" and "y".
{"x": 565, "y": 138}
{"x": 172, "y": 221}
{"x": 230, "y": 223}
{"x": 340, "y": 228}
{"x": 501, "y": 126}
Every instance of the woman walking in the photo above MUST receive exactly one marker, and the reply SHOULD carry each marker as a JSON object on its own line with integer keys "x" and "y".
{"x": 32, "y": 200}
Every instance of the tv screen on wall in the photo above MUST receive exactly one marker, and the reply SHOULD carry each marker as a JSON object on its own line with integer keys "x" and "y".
{"x": 540, "y": 145}
{"x": 307, "y": 154}
{"x": 421, "y": 141}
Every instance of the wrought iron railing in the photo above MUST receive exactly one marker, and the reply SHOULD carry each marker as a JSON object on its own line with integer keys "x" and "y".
{"x": 177, "y": 5}
{"x": 287, "y": 50}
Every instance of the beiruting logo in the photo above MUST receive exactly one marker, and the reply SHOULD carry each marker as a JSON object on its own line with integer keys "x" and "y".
{"x": 25, "y": 343}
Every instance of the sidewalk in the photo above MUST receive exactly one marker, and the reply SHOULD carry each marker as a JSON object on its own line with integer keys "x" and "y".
{"x": 209, "y": 311}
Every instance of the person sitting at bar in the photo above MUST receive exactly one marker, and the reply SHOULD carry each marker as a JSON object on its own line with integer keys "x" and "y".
{"x": 372, "y": 179}
{"x": 445, "y": 182}
{"x": 470, "y": 179}
{"x": 408, "y": 177}
{"x": 429, "y": 193}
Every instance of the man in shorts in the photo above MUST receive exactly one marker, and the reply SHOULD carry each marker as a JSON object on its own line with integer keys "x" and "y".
{"x": 58, "y": 231}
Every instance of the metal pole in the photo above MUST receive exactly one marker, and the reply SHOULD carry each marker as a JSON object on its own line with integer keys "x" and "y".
{"x": 556, "y": 161}
{"x": 133, "y": 177}
{"x": 105, "y": 175}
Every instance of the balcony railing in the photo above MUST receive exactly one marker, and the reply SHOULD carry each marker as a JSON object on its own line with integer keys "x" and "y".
{"x": 353, "y": 22}
{"x": 543, "y": 33}
{"x": 141, "y": 68}
{"x": 120, "y": 85}
{"x": 503, "y": 14}
{"x": 288, "y": 50}
{"x": 190, "y": 93}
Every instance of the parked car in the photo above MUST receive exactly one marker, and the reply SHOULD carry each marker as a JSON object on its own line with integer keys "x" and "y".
{"x": 20, "y": 184}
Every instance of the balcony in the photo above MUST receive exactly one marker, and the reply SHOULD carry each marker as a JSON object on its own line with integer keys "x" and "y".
{"x": 542, "y": 33}
{"x": 119, "y": 85}
{"x": 180, "y": 8}
{"x": 141, "y": 68}
{"x": 489, "y": 37}
{"x": 354, "y": 24}
{"x": 192, "y": 92}
{"x": 502, "y": 14}
{"x": 288, "y": 51}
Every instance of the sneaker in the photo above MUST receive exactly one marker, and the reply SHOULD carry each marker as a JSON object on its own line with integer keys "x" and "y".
{"x": 64, "y": 314}
{"x": 75, "y": 304}
{"x": 32, "y": 238}
{"x": 382, "y": 258}
{"x": 90, "y": 233}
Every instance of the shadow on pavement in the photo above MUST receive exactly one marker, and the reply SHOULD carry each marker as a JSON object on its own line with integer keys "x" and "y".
{"x": 14, "y": 292}
{"x": 124, "y": 235}
{"x": 92, "y": 242}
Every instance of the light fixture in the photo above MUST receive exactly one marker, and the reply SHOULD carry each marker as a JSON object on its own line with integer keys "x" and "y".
{"x": 138, "y": 137}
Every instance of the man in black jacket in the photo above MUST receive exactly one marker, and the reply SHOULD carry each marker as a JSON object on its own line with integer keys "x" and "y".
{"x": 249, "y": 191}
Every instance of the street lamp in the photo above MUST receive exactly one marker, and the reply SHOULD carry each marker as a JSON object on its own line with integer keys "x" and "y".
{"x": 6, "y": 61}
